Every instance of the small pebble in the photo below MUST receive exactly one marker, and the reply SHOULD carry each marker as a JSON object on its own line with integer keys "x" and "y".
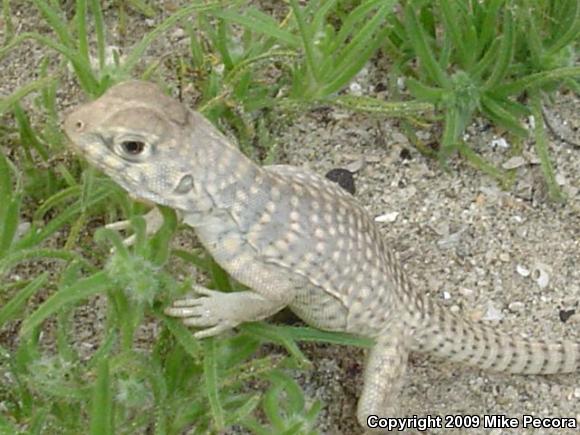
{"x": 355, "y": 89}
{"x": 22, "y": 228}
{"x": 514, "y": 162}
{"x": 355, "y": 166}
{"x": 466, "y": 291}
{"x": 492, "y": 313}
{"x": 522, "y": 270}
{"x": 541, "y": 275}
{"x": 178, "y": 33}
{"x": 387, "y": 217}
{"x": 399, "y": 138}
{"x": 560, "y": 179}
{"x": 499, "y": 143}
{"x": 516, "y": 306}
{"x": 566, "y": 314}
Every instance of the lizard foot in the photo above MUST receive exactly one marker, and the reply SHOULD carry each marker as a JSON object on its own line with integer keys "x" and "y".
{"x": 208, "y": 309}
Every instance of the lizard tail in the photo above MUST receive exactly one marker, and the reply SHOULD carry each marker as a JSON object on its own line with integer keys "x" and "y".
{"x": 455, "y": 339}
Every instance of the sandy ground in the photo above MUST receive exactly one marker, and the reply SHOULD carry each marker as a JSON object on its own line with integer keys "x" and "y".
{"x": 464, "y": 241}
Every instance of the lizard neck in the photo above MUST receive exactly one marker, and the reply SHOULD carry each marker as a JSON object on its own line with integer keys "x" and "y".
{"x": 223, "y": 179}
{"x": 227, "y": 173}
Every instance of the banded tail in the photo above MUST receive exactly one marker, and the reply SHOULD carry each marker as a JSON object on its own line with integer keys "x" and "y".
{"x": 456, "y": 339}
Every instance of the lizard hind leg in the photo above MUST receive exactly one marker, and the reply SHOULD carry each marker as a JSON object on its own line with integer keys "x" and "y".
{"x": 384, "y": 375}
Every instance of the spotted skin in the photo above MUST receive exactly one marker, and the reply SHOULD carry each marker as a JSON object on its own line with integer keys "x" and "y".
{"x": 294, "y": 238}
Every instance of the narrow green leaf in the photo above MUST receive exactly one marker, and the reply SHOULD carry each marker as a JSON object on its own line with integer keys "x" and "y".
{"x": 396, "y": 109}
{"x": 451, "y": 130}
{"x": 83, "y": 289}
{"x": 452, "y": 24}
{"x": 352, "y": 23}
{"x": 55, "y": 200}
{"x": 100, "y": 30}
{"x": 502, "y": 116}
{"x": 28, "y": 135}
{"x": 82, "y": 38}
{"x": 426, "y": 93}
{"x": 536, "y": 80}
{"x": 418, "y": 37}
{"x": 184, "y": 337}
{"x": 211, "y": 383}
{"x": 6, "y": 427}
{"x": 566, "y": 36}
{"x": 489, "y": 25}
{"x": 357, "y": 52}
{"x": 277, "y": 335}
{"x": 7, "y": 102}
{"x": 220, "y": 277}
{"x": 18, "y": 301}
{"x": 541, "y": 145}
{"x": 481, "y": 164}
{"x": 62, "y": 219}
{"x": 349, "y": 66}
{"x": 506, "y": 51}
{"x": 243, "y": 411}
{"x": 307, "y": 41}
{"x": 259, "y": 22}
{"x": 320, "y": 14}
{"x": 9, "y": 216}
{"x": 102, "y": 402}
{"x": 533, "y": 36}
{"x": 55, "y": 22}
{"x": 487, "y": 61}
{"x": 104, "y": 350}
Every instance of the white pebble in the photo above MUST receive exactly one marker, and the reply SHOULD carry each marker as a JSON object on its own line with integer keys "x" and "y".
{"x": 522, "y": 270}
{"x": 516, "y": 306}
{"x": 541, "y": 275}
{"x": 499, "y": 143}
{"x": 514, "y": 162}
{"x": 387, "y": 217}
{"x": 492, "y": 313}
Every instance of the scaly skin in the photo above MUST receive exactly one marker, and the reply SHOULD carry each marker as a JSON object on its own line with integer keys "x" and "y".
{"x": 294, "y": 238}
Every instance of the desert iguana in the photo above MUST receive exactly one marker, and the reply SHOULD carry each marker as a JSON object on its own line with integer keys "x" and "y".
{"x": 294, "y": 238}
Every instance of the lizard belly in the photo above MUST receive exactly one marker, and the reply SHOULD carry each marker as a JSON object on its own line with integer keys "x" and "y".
{"x": 320, "y": 309}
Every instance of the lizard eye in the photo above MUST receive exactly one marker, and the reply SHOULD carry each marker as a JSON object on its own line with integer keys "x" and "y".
{"x": 133, "y": 147}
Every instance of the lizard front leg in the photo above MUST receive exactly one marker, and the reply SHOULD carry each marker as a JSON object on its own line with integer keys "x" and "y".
{"x": 217, "y": 311}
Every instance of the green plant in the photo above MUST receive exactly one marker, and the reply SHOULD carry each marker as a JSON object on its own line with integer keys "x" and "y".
{"x": 483, "y": 58}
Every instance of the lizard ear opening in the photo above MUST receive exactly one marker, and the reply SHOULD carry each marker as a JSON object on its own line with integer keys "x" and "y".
{"x": 185, "y": 185}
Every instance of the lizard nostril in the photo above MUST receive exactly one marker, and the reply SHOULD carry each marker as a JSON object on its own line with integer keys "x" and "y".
{"x": 79, "y": 125}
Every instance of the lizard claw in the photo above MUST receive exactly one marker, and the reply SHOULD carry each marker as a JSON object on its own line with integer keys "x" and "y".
{"x": 153, "y": 221}
{"x": 208, "y": 309}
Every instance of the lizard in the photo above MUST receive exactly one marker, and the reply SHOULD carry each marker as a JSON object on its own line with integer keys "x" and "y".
{"x": 294, "y": 239}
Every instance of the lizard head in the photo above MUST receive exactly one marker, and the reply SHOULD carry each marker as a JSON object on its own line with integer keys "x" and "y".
{"x": 146, "y": 141}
